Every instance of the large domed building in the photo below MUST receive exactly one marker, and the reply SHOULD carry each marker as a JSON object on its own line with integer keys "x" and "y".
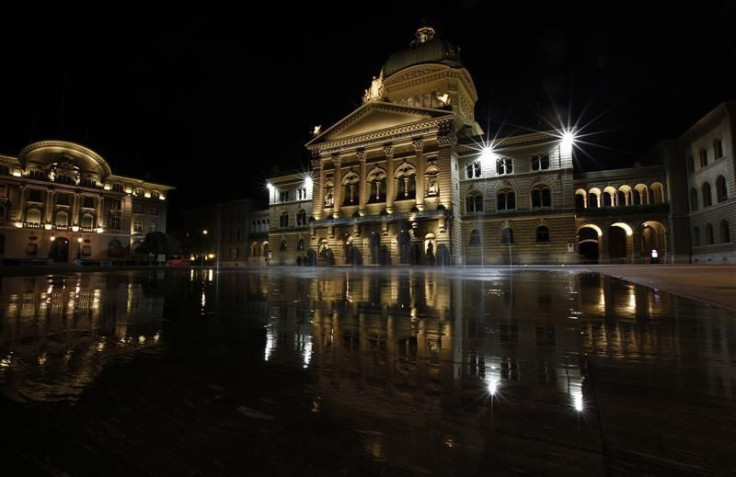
{"x": 409, "y": 177}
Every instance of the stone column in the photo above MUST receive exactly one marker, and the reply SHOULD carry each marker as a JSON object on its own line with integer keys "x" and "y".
{"x": 49, "y": 206}
{"x": 419, "y": 151}
{"x": 75, "y": 209}
{"x": 318, "y": 190}
{"x": 390, "y": 189}
{"x": 362, "y": 196}
{"x": 338, "y": 193}
{"x": 22, "y": 215}
{"x": 98, "y": 213}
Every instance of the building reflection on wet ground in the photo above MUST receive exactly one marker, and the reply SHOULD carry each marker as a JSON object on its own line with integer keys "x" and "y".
{"x": 363, "y": 372}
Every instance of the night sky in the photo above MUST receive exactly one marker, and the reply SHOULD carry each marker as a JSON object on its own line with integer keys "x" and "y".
{"x": 154, "y": 92}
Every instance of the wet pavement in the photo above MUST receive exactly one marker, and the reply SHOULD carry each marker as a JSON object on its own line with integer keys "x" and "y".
{"x": 289, "y": 371}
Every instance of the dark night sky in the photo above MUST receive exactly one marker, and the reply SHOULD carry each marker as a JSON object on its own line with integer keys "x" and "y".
{"x": 154, "y": 92}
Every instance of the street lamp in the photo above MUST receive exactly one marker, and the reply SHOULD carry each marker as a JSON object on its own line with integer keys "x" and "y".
{"x": 79, "y": 248}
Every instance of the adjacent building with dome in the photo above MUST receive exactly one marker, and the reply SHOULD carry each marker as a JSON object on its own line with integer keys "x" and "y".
{"x": 60, "y": 202}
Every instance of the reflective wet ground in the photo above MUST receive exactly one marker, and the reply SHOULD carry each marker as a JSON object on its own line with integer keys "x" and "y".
{"x": 295, "y": 371}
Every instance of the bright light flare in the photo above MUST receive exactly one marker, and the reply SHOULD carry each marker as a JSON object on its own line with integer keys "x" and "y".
{"x": 568, "y": 140}
{"x": 487, "y": 154}
{"x": 269, "y": 186}
{"x": 308, "y": 182}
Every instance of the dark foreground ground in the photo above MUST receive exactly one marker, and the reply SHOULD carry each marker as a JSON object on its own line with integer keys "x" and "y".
{"x": 289, "y": 371}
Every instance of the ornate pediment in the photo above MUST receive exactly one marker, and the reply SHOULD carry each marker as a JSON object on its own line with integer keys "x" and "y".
{"x": 373, "y": 117}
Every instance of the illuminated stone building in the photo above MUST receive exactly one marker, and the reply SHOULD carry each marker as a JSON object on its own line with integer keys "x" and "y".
{"x": 290, "y": 206}
{"x": 61, "y": 201}
{"x": 409, "y": 177}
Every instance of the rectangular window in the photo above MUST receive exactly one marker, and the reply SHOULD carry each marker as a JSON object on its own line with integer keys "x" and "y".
{"x": 703, "y": 158}
{"x": 284, "y": 196}
{"x": 540, "y": 162}
{"x": 504, "y": 165}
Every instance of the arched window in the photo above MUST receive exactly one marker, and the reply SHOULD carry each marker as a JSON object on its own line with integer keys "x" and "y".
{"x": 608, "y": 195}
{"x": 113, "y": 223}
{"x": 580, "y": 200}
{"x": 542, "y": 234}
{"x": 153, "y": 226}
{"x": 593, "y": 200}
{"x": 474, "y": 238}
{"x": 721, "y": 192}
{"x": 724, "y": 232}
{"x": 114, "y": 248}
{"x": 507, "y": 236}
{"x": 117, "y": 187}
{"x": 707, "y": 199}
{"x": 541, "y": 197}
{"x": 474, "y": 202}
{"x": 431, "y": 180}
{"x": 621, "y": 198}
{"x": 301, "y": 218}
{"x": 473, "y": 170}
{"x": 87, "y": 221}
{"x": 709, "y": 234}
{"x": 300, "y": 245}
{"x": 506, "y": 200}
{"x": 693, "y": 199}
{"x": 62, "y": 219}
{"x": 657, "y": 193}
{"x": 33, "y": 216}
{"x": 406, "y": 185}
{"x": 696, "y": 236}
{"x": 717, "y": 149}
{"x": 504, "y": 165}
{"x": 376, "y": 182}
{"x": 282, "y": 247}
{"x": 350, "y": 185}
{"x": 329, "y": 197}
{"x": 284, "y": 219}
{"x": 155, "y": 194}
{"x": 640, "y": 194}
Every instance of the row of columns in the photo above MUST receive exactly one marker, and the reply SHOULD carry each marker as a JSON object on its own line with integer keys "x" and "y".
{"x": 48, "y": 209}
{"x": 361, "y": 154}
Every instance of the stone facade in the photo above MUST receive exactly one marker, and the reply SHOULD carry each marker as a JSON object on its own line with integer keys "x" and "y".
{"x": 409, "y": 177}
{"x": 61, "y": 201}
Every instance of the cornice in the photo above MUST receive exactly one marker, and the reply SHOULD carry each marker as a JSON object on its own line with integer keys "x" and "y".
{"x": 379, "y": 138}
{"x": 65, "y": 145}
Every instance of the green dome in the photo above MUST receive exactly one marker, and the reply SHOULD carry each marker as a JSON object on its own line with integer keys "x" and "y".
{"x": 423, "y": 50}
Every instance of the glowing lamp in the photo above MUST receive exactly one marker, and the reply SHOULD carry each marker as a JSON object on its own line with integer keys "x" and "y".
{"x": 308, "y": 181}
{"x": 99, "y": 230}
{"x": 568, "y": 140}
{"x": 269, "y": 186}
{"x": 75, "y": 228}
{"x": 486, "y": 154}
{"x": 47, "y": 226}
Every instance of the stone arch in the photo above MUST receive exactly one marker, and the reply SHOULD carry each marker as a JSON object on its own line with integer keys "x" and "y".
{"x": 641, "y": 194}
{"x": 619, "y": 238}
{"x": 657, "y": 192}
{"x": 589, "y": 240}
{"x": 623, "y": 196}
{"x": 609, "y": 196}
{"x": 653, "y": 240}
{"x": 594, "y": 198}
{"x": 581, "y": 199}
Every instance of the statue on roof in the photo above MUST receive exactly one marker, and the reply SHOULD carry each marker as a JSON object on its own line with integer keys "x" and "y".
{"x": 375, "y": 92}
